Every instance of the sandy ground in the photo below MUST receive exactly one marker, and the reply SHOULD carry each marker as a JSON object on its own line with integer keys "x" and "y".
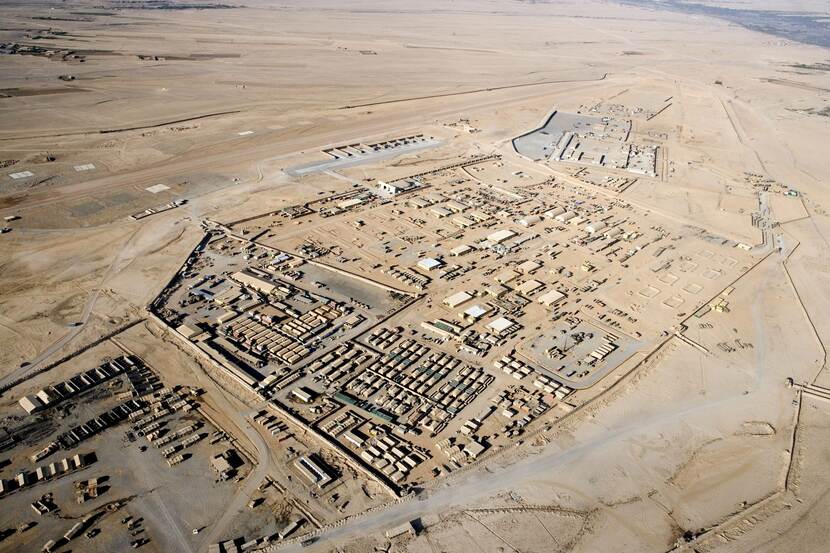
{"x": 687, "y": 441}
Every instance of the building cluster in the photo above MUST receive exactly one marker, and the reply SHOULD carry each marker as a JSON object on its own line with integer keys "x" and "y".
{"x": 56, "y": 393}
{"x": 412, "y": 385}
{"x": 45, "y": 472}
{"x": 360, "y": 149}
{"x": 273, "y": 424}
{"x": 93, "y": 426}
{"x": 393, "y": 456}
{"x": 504, "y": 295}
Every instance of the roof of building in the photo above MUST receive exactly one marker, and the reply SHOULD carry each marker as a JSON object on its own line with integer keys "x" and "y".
{"x": 529, "y": 220}
{"x": 501, "y": 324}
{"x": 529, "y": 286}
{"x": 351, "y": 202}
{"x": 253, "y": 281}
{"x": 456, "y": 206}
{"x": 429, "y": 263}
{"x": 189, "y": 330}
{"x": 419, "y": 202}
{"x": 501, "y": 235}
{"x": 529, "y": 266}
{"x": 476, "y": 311}
{"x": 220, "y": 463}
{"x": 506, "y": 276}
{"x": 457, "y": 299}
{"x": 496, "y": 290}
{"x": 596, "y": 226}
{"x": 550, "y": 297}
{"x": 474, "y": 449}
{"x": 30, "y": 404}
{"x": 461, "y": 250}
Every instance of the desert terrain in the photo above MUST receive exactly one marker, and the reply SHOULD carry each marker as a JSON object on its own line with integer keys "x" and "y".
{"x": 416, "y": 277}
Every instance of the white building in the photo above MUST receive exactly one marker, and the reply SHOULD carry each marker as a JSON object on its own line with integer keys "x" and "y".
{"x": 529, "y": 221}
{"x": 475, "y": 312}
{"x": 501, "y": 325}
{"x": 428, "y": 264}
{"x": 565, "y": 217}
{"x": 550, "y": 214}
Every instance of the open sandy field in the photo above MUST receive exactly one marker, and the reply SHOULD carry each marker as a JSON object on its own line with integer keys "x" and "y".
{"x": 147, "y": 147}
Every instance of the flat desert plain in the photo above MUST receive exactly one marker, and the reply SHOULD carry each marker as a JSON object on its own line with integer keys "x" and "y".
{"x": 146, "y": 142}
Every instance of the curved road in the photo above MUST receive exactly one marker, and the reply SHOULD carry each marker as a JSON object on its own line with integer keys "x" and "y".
{"x": 482, "y": 484}
{"x": 252, "y": 482}
{"x": 121, "y": 260}
{"x": 235, "y": 410}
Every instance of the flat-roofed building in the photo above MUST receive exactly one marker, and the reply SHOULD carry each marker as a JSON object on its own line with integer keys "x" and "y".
{"x": 502, "y": 325}
{"x": 303, "y": 395}
{"x": 442, "y": 328}
{"x": 228, "y": 296}
{"x": 478, "y": 216}
{"x": 350, "y": 203}
{"x": 552, "y": 297}
{"x": 529, "y": 287}
{"x": 313, "y": 471}
{"x": 506, "y": 276}
{"x": 456, "y": 207}
{"x": 227, "y": 315}
{"x": 462, "y": 222}
{"x": 253, "y": 281}
{"x": 418, "y": 202}
{"x": 429, "y": 264}
{"x": 529, "y": 266}
{"x": 353, "y": 437}
{"x": 404, "y": 529}
{"x": 461, "y": 250}
{"x": 475, "y": 312}
{"x": 474, "y": 449}
{"x": 31, "y": 404}
{"x": 500, "y": 236}
{"x": 457, "y": 299}
{"x": 189, "y": 330}
{"x": 496, "y": 290}
{"x": 220, "y": 463}
{"x": 392, "y": 188}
